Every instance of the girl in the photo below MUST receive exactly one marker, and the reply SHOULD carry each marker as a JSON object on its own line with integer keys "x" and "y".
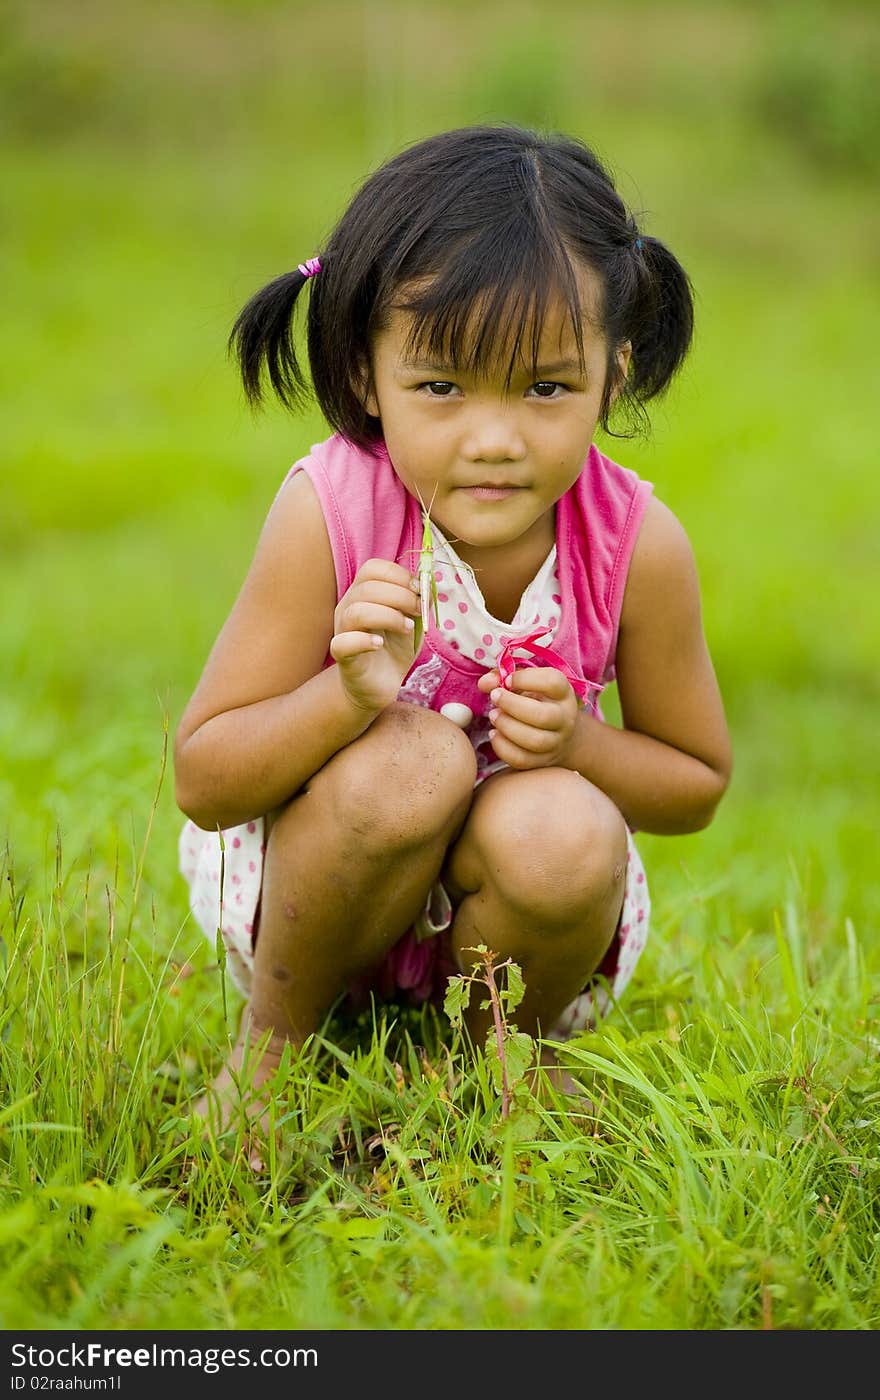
{"x": 388, "y": 799}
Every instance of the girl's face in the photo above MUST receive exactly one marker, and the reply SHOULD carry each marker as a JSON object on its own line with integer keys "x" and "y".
{"x": 493, "y": 459}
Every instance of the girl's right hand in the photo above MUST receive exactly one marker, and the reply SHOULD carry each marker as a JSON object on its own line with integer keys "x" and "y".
{"x": 373, "y": 627}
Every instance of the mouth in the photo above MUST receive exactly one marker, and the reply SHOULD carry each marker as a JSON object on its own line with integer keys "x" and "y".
{"x": 489, "y": 491}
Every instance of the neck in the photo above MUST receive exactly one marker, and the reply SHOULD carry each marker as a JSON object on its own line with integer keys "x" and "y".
{"x": 503, "y": 572}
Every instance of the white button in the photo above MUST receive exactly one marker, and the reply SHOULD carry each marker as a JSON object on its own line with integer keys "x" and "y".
{"x": 459, "y": 714}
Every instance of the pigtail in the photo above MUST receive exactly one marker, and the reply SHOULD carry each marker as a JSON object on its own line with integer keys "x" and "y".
{"x": 262, "y": 342}
{"x": 662, "y": 317}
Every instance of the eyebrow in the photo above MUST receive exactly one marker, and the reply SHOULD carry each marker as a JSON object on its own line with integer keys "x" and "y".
{"x": 558, "y": 367}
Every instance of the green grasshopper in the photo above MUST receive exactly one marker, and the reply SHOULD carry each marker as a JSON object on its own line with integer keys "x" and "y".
{"x": 427, "y": 581}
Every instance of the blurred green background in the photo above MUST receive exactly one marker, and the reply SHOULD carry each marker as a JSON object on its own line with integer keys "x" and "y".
{"x": 161, "y": 161}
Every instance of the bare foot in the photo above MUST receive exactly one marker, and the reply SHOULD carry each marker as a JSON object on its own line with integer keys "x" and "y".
{"x": 242, "y": 1092}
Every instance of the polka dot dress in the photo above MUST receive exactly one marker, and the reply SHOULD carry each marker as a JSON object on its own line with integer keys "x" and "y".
{"x": 416, "y": 963}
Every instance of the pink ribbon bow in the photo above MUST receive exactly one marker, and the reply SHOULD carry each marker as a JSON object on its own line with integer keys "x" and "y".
{"x": 506, "y": 665}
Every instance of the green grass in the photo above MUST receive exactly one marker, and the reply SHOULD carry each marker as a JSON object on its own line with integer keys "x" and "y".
{"x": 729, "y": 1178}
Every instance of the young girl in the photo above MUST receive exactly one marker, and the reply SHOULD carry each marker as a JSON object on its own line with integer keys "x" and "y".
{"x": 387, "y": 798}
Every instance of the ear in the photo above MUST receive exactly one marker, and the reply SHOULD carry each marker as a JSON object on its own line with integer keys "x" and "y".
{"x": 622, "y": 359}
{"x": 364, "y": 382}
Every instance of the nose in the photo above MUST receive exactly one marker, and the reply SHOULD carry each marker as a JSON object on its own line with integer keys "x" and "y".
{"x": 493, "y": 434}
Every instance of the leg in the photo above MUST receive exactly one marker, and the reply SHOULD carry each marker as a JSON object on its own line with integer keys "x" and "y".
{"x": 349, "y": 863}
{"x": 538, "y": 875}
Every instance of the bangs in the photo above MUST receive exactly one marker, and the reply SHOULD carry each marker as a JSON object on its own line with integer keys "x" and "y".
{"x": 484, "y": 311}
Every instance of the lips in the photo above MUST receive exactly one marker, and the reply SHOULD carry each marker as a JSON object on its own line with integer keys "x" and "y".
{"x": 490, "y": 490}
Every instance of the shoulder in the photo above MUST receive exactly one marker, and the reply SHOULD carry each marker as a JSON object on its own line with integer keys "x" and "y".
{"x": 662, "y": 540}
{"x": 357, "y": 487}
{"x": 278, "y": 630}
{"x": 662, "y": 571}
{"x": 338, "y": 461}
{"x": 294, "y": 539}
{"x": 366, "y": 510}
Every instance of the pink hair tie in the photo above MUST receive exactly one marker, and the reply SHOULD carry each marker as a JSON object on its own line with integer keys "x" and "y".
{"x": 506, "y": 664}
{"x": 310, "y": 268}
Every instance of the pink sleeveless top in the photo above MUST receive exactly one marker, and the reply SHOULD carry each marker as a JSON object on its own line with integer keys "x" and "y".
{"x": 370, "y": 514}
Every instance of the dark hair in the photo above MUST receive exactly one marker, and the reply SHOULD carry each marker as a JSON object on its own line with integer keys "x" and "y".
{"x": 494, "y": 215}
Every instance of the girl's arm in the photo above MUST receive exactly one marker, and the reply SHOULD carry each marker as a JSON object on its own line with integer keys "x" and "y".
{"x": 264, "y": 716}
{"x": 669, "y": 766}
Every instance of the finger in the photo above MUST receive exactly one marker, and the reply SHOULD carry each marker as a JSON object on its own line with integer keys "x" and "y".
{"x": 383, "y": 571}
{"x": 346, "y": 645}
{"x": 489, "y": 680}
{"x": 372, "y": 617}
{"x": 513, "y": 755}
{"x": 525, "y": 736}
{"x": 390, "y": 595}
{"x": 544, "y": 679}
{"x": 540, "y": 714}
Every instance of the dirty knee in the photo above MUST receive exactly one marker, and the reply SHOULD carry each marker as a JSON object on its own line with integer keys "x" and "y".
{"x": 408, "y": 779}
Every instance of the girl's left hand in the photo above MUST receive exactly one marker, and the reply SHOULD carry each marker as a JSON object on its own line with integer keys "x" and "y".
{"x": 535, "y": 719}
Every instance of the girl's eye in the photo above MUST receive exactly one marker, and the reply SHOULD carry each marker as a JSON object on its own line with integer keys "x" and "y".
{"x": 444, "y": 389}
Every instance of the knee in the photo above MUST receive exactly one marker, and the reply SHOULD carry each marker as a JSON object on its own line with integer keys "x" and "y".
{"x": 408, "y": 779}
{"x": 554, "y": 845}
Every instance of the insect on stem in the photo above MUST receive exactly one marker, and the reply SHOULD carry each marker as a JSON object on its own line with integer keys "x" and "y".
{"x": 427, "y": 581}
